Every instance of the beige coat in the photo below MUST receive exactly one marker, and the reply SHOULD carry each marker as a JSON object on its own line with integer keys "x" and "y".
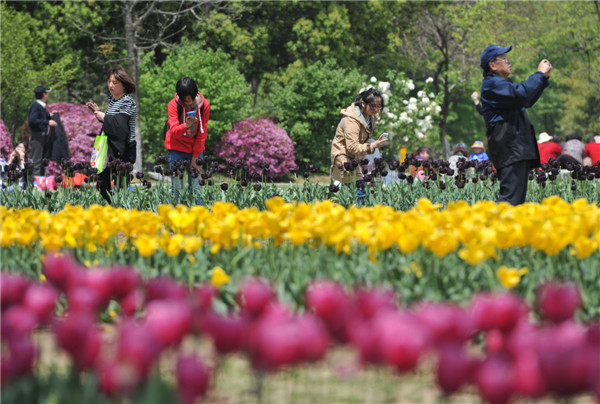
{"x": 350, "y": 143}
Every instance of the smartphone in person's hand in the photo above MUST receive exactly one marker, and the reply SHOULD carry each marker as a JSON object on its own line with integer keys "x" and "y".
{"x": 91, "y": 108}
{"x": 385, "y": 136}
{"x": 192, "y": 114}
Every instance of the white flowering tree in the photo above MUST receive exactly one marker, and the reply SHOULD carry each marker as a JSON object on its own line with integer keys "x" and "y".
{"x": 408, "y": 117}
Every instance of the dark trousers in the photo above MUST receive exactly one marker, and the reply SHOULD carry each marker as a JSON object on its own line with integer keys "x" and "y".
{"x": 105, "y": 180}
{"x": 37, "y": 153}
{"x": 563, "y": 159}
{"x": 513, "y": 182}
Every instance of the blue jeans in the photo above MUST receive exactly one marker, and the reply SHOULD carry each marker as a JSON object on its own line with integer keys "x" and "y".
{"x": 360, "y": 193}
{"x": 177, "y": 183}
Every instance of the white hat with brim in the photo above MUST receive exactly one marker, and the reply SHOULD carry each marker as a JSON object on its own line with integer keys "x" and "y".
{"x": 544, "y": 137}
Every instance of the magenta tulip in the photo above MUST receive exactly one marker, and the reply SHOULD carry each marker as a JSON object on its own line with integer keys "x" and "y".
{"x": 169, "y": 320}
{"x": 41, "y": 300}
{"x": 13, "y": 288}
{"x": 558, "y": 302}
{"x": 192, "y": 378}
{"x": 254, "y": 295}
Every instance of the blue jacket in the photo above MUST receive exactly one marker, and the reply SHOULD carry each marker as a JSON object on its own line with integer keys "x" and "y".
{"x": 38, "y": 120}
{"x": 510, "y": 133}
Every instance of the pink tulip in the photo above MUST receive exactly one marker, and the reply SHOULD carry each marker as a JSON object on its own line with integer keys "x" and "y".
{"x": 501, "y": 311}
{"x": 494, "y": 341}
{"x": 254, "y": 295}
{"x": 495, "y": 379}
{"x": 164, "y": 288}
{"x": 529, "y": 380}
{"x": 558, "y": 302}
{"x": 18, "y": 321}
{"x": 21, "y": 354}
{"x": 123, "y": 281}
{"x": 99, "y": 280}
{"x": 116, "y": 378}
{"x": 371, "y": 301}
{"x": 202, "y": 297}
{"x": 329, "y": 301}
{"x": 192, "y": 378}
{"x": 79, "y": 336}
{"x": 131, "y": 303}
{"x": 454, "y": 368}
{"x": 446, "y": 322}
{"x": 274, "y": 342}
{"x": 62, "y": 271}
{"x": 83, "y": 299}
{"x": 13, "y": 288}
{"x": 169, "y": 320}
{"x": 137, "y": 347}
{"x": 314, "y": 337}
{"x": 41, "y": 300}
{"x": 228, "y": 333}
{"x": 362, "y": 337}
{"x": 402, "y": 340}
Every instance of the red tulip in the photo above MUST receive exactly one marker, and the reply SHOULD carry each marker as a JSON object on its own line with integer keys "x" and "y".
{"x": 192, "y": 378}
{"x": 254, "y": 295}
{"x": 558, "y": 302}
{"x": 495, "y": 379}
{"x": 169, "y": 320}
{"x": 41, "y": 300}
{"x": 13, "y": 288}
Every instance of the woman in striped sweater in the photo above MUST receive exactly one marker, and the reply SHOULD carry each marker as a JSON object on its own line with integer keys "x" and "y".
{"x": 118, "y": 125}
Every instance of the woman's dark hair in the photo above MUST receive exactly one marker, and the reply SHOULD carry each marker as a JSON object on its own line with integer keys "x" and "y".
{"x": 186, "y": 86}
{"x": 574, "y": 135}
{"x": 422, "y": 149}
{"x": 123, "y": 75}
{"x": 368, "y": 96}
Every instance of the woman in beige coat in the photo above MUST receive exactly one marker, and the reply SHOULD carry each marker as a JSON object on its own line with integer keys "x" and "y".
{"x": 351, "y": 141}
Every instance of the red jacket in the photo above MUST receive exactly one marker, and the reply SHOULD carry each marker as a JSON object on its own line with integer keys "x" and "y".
{"x": 592, "y": 150}
{"x": 180, "y": 138}
{"x": 549, "y": 149}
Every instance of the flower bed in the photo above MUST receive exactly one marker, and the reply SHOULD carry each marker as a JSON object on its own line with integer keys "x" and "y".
{"x": 495, "y": 343}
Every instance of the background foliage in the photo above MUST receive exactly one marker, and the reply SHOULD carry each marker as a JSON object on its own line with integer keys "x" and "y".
{"x": 270, "y": 43}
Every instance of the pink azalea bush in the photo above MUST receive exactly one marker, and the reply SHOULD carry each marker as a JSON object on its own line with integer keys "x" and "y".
{"x": 6, "y": 146}
{"x": 78, "y": 123}
{"x": 258, "y": 142}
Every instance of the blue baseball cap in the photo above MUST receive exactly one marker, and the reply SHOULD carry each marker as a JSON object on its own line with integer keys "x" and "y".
{"x": 491, "y": 52}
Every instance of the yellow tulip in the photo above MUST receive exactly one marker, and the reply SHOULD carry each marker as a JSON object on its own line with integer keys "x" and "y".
{"x": 219, "y": 277}
{"x": 510, "y": 277}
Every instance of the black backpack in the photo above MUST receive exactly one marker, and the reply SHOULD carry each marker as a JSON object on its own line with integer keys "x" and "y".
{"x": 179, "y": 113}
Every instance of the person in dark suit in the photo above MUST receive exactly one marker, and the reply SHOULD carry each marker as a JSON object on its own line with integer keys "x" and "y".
{"x": 39, "y": 119}
{"x": 512, "y": 145}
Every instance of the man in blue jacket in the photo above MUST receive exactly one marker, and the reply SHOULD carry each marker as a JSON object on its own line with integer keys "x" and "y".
{"x": 39, "y": 119}
{"x": 512, "y": 145}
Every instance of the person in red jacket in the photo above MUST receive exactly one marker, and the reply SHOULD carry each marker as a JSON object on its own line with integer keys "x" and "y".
{"x": 592, "y": 151}
{"x": 188, "y": 115}
{"x": 548, "y": 148}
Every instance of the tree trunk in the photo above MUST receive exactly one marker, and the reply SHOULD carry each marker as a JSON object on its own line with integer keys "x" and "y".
{"x": 133, "y": 67}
